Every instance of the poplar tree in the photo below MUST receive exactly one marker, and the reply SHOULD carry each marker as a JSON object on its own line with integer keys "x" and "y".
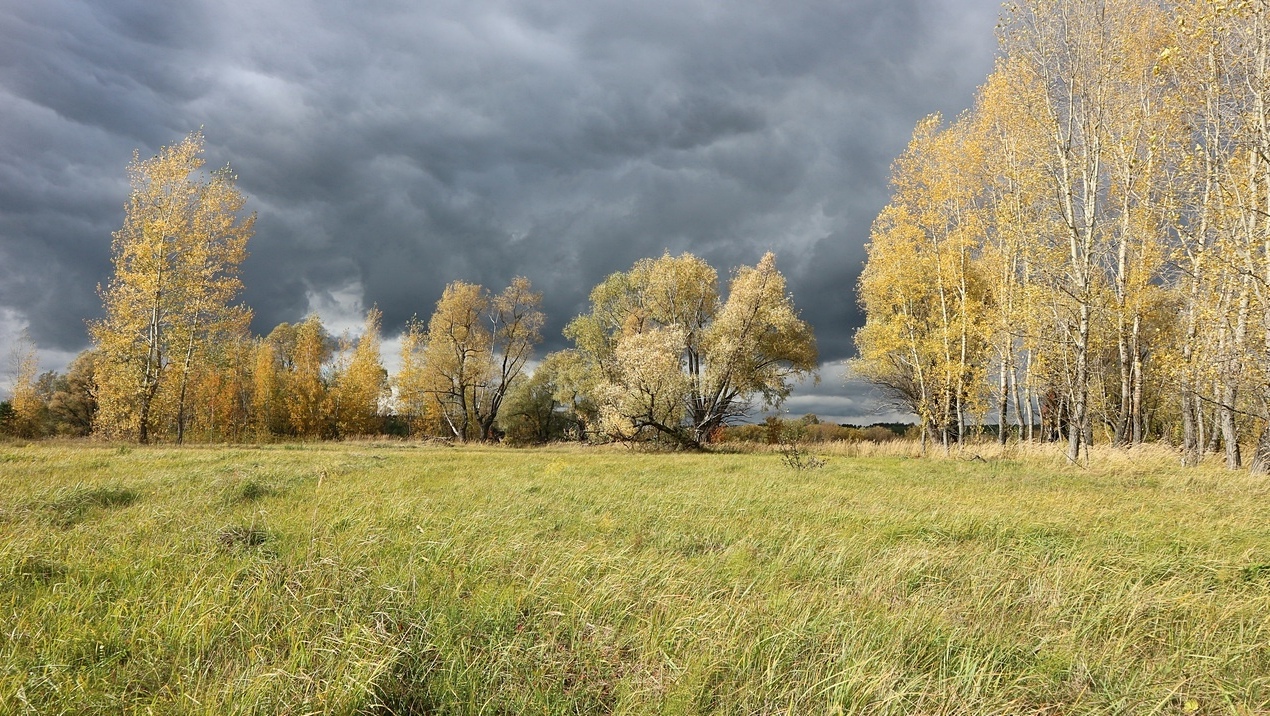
{"x": 361, "y": 382}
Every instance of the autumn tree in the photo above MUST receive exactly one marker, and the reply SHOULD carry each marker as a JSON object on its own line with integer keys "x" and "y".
{"x": 475, "y": 348}
{"x": 1011, "y": 254}
{"x": 304, "y": 383}
{"x": 1244, "y": 183}
{"x": 361, "y": 382}
{"x": 668, "y": 357}
{"x": 412, "y": 400}
{"x": 222, "y": 392}
{"x": 455, "y": 357}
{"x": 1194, "y": 179}
{"x": 924, "y": 297}
{"x": 1140, "y": 185}
{"x": 1090, "y": 192}
{"x": 530, "y": 414}
{"x": 73, "y": 404}
{"x": 549, "y": 404}
{"x": 1063, "y": 50}
{"x": 572, "y": 383}
{"x": 176, "y": 262}
{"x": 268, "y": 410}
{"x": 29, "y": 410}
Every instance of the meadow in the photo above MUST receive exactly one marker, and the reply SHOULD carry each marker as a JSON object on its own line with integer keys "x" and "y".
{"x": 403, "y": 579}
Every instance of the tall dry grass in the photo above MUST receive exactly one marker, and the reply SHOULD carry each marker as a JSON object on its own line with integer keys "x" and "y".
{"x": 376, "y": 578}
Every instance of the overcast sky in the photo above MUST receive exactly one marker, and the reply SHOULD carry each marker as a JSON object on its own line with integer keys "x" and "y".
{"x": 391, "y": 146}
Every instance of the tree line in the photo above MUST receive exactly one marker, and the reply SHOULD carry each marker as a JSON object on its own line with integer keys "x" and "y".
{"x": 1085, "y": 254}
{"x": 662, "y": 354}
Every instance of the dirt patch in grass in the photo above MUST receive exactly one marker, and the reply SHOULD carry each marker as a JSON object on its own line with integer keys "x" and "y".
{"x": 238, "y": 537}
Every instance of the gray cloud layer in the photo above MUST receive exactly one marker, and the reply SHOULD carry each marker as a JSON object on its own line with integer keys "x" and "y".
{"x": 391, "y": 146}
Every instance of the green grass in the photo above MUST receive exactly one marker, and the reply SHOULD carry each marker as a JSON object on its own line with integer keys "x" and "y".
{"x": 374, "y": 579}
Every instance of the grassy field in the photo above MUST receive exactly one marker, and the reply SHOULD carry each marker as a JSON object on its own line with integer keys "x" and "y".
{"x": 395, "y": 579}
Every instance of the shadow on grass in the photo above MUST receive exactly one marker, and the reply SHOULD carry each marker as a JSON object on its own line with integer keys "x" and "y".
{"x": 77, "y": 505}
{"x": 249, "y": 490}
{"x": 33, "y": 569}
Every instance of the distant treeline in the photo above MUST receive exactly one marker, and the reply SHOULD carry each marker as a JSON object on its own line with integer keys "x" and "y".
{"x": 662, "y": 354}
{"x": 810, "y": 428}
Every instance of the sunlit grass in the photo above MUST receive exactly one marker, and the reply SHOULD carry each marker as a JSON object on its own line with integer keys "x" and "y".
{"x": 393, "y": 579}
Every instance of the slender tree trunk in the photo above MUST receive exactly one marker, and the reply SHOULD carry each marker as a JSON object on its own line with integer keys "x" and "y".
{"x": 1135, "y": 412}
{"x": 1229, "y": 434}
{"x": 1260, "y": 464}
{"x": 961, "y": 423}
{"x": 1080, "y": 390}
{"x": 1029, "y": 392}
{"x": 143, "y": 429}
{"x": 1208, "y": 435}
{"x": 1014, "y": 395}
{"x": 1123, "y": 429}
{"x": 1190, "y": 437}
{"x": 1003, "y": 402}
{"x": 186, "y": 364}
{"x": 945, "y": 429}
{"x": 153, "y": 365}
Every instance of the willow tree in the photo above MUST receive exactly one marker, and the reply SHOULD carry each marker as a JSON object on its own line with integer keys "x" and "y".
{"x": 74, "y": 404}
{"x": 176, "y": 262}
{"x": 669, "y": 357}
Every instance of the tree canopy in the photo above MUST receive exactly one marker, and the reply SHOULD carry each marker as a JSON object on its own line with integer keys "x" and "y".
{"x": 667, "y": 355}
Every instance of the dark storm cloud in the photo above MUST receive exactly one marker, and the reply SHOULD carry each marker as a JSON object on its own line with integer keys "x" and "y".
{"x": 390, "y": 147}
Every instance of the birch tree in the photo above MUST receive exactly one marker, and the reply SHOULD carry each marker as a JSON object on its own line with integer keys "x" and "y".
{"x": 176, "y": 262}
{"x": 924, "y": 297}
{"x": 1245, "y": 190}
{"x": 1064, "y": 47}
{"x": 306, "y": 387}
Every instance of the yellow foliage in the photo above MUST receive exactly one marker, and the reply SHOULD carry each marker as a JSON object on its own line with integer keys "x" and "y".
{"x": 662, "y": 354}
{"x": 362, "y": 384}
{"x": 176, "y": 262}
